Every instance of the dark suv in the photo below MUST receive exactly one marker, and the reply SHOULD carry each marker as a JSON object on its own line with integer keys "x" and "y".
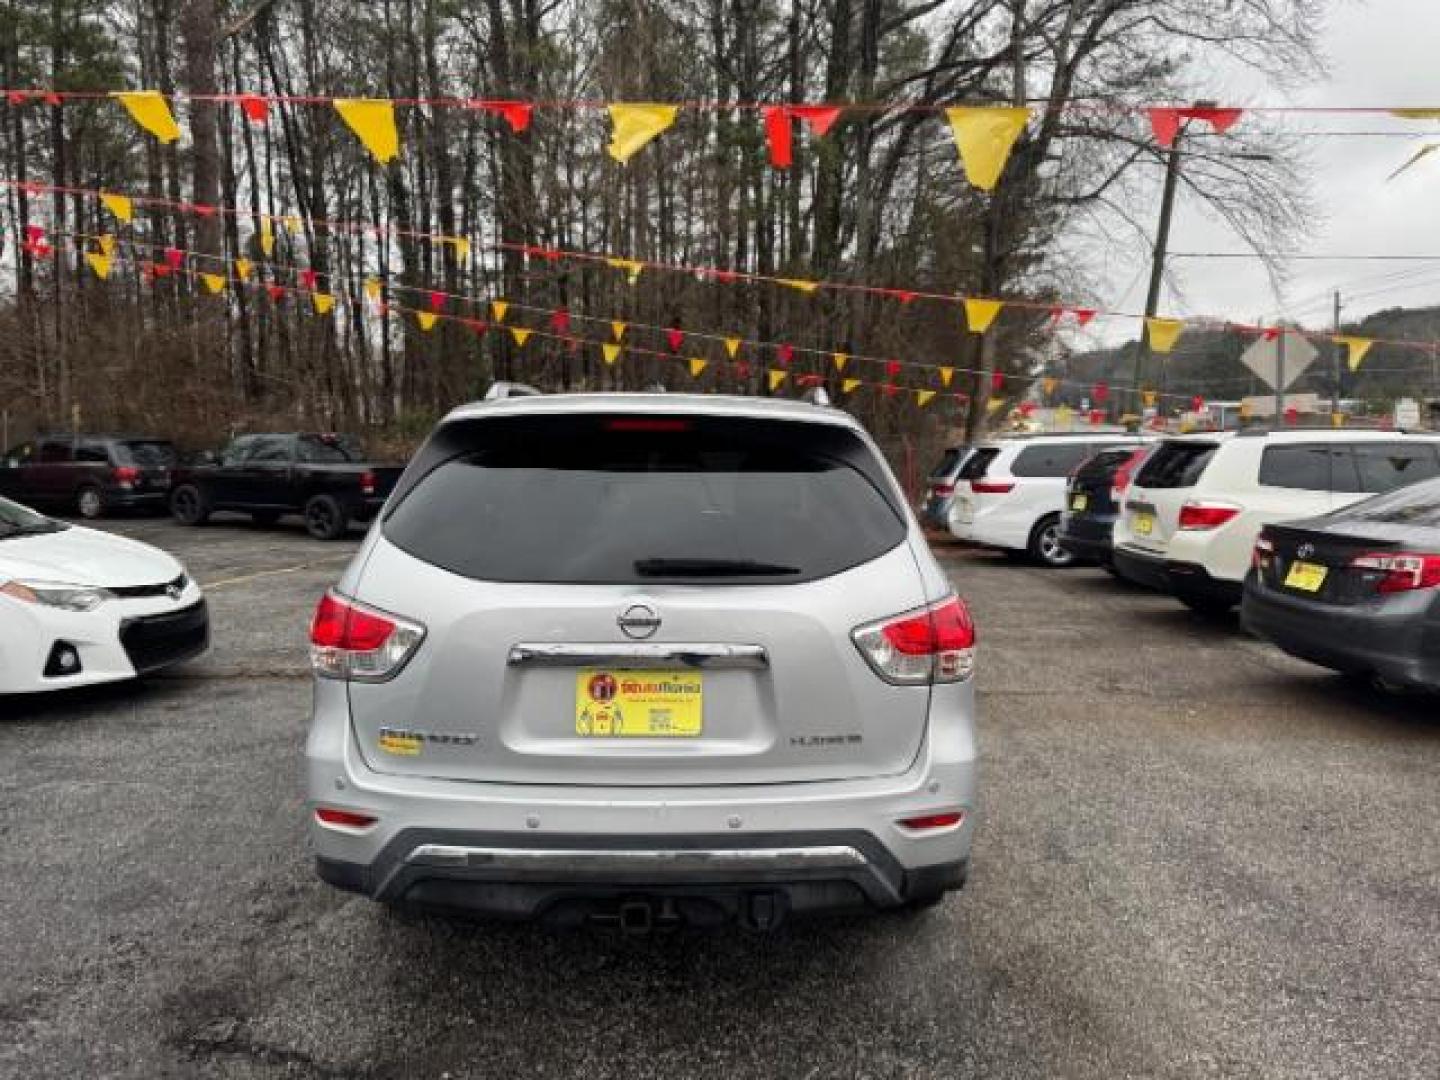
{"x": 90, "y": 474}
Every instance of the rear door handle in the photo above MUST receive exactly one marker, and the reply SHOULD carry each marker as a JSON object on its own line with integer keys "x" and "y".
{"x": 639, "y": 655}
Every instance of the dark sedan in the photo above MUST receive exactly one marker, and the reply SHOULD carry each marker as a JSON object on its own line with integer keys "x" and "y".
{"x": 1092, "y": 501}
{"x": 1357, "y": 590}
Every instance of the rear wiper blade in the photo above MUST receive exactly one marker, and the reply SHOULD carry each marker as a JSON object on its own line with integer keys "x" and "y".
{"x": 700, "y": 567}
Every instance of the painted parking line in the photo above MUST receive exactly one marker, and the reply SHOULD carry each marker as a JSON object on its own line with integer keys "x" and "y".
{"x": 210, "y": 586}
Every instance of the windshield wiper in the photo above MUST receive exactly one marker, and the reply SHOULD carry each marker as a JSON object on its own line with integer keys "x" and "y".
{"x": 701, "y": 567}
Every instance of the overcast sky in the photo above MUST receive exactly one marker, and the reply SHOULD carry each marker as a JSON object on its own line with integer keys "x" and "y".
{"x": 1382, "y": 53}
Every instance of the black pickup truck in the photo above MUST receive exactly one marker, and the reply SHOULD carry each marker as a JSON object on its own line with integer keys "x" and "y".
{"x": 325, "y": 477}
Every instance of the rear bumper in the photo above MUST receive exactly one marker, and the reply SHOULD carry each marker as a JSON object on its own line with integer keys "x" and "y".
{"x": 126, "y": 499}
{"x": 1087, "y": 537}
{"x": 1398, "y": 640}
{"x": 1173, "y": 576}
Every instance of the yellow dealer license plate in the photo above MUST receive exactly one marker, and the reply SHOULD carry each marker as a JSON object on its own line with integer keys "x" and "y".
{"x": 1144, "y": 524}
{"x": 1307, "y": 577}
{"x": 1079, "y": 502}
{"x": 638, "y": 704}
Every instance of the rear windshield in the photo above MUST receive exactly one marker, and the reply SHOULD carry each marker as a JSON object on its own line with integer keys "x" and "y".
{"x": 1106, "y": 462}
{"x": 1417, "y": 505}
{"x": 1176, "y": 464}
{"x": 144, "y": 452}
{"x": 328, "y": 449}
{"x": 946, "y": 468}
{"x": 637, "y": 500}
{"x": 1050, "y": 459}
{"x": 975, "y": 466}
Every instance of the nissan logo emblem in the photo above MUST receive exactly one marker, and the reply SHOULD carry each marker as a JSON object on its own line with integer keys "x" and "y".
{"x": 638, "y": 621}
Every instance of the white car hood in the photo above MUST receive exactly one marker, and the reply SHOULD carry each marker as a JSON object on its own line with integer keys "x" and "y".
{"x": 80, "y": 556}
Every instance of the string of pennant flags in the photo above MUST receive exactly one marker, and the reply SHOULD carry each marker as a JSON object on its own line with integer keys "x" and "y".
{"x": 984, "y": 134}
{"x": 1162, "y": 332}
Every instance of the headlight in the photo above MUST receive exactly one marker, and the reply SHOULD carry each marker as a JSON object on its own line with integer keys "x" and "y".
{"x": 56, "y": 594}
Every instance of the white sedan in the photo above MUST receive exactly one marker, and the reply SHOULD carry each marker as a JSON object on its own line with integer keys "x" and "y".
{"x": 79, "y": 606}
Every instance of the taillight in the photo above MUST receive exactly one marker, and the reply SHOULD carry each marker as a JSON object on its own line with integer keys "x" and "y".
{"x": 1198, "y": 516}
{"x": 347, "y": 819}
{"x": 1120, "y": 483}
{"x": 351, "y": 641}
{"x": 943, "y": 491}
{"x": 1261, "y": 555}
{"x": 990, "y": 487}
{"x": 125, "y": 475}
{"x": 947, "y": 820}
{"x": 935, "y": 644}
{"x": 367, "y": 483}
{"x": 1400, "y": 572}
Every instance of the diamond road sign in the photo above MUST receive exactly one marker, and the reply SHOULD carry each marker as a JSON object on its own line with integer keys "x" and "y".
{"x": 1263, "y": 358}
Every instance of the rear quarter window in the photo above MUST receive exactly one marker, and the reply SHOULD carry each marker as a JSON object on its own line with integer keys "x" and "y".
{"x": 1308, "y": 467}
{"x": 976, "y": 465}
{"x": 1176, "y": 464}
{"x": 587, "y": 500}
{"x": 1384, "y": 467}
{"x": 1050, "y": 459}
{"x": 147, "y": 452}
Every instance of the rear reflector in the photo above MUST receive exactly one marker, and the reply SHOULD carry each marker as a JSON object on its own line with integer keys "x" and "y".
{"x": 933, "y": 821}
{"x": 1199, "y": 516}
{"x": 990, "y": 487}
{"x": 1400, "y": 572}
{"x": 351, "y": 641}
{"x": 328, "y": 815}
{"x": 367, "y": 483}
{"x": 935, "y": 644}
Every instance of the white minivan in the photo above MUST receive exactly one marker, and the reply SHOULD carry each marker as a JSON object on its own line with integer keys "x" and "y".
{"x": 1194, "y": 511}
{"x": 1011, "y": 492}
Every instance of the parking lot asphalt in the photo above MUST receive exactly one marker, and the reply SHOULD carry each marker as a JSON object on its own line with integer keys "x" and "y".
{"x": 1196, "y": 858}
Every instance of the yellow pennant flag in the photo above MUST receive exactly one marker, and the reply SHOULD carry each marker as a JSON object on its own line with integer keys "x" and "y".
{"x": 520, "y": 334}
{"x": 617, "y": 330}
{"x": 426, "y": 319}
{"x": 732, "y": 346}
{"x": 293, "y": 225}
{"x": 841, "y": 359}
{"x": 994, "y": 405}
{"x": 984, "y": 137}
{"x": 373, "y": 122}
{"x": 848, "y": 385}
{"x": 119, "y": 205}
{"x": 807, "y": 287}
{"x": 924, "y": 397}
{"x": 1163, "y": 333}
{"x": 1337, "y": 419}
{"x": 696, "y": 367}
{"x": 629, "y": 267}
{"x": 107, "y": 243}
{"x": 323, "y": 302}
{"x": 636, "y": 125}
{"x": 214, "y": 282}
{"x": 611, "y": 351}
{"x": 150, "y": 110}
{"x": 1064, "y": 414}
{"x": 1048, "y": 384}
{"x": 242, "y": 269}
{"x": 1356, "y": 348}
{"x": 1147, "y": 398}
{"x": 979, "y": 314}
{"x": 498, "y": 308}
{"x": 460, "y": 247}
{"x": 777, "y": 376}
{"x": 373, "y": 288}
{"x": 267, "y": 239}
{"x": 99, "y": 263}
{"x": 946, "y": 374}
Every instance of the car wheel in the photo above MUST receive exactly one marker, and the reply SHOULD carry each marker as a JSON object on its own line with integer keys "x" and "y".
{"x": 189, "y": 506}
{"x": 325, "y": 518}
{"x": 264, "y": 517}
{"x": 89, "y": 502}
{"x": 1212, "y": 607}
{"x": 1045, "y": 547}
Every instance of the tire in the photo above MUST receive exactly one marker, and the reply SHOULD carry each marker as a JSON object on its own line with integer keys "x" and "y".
{"x": 265, "y": 517}
{"x": 189, "y": 505}
{"x": 325, "y": 518}
{"x": 1045, "y": 548}
{"x": 1212, "y": 607}
{"x": 89, "y": 503}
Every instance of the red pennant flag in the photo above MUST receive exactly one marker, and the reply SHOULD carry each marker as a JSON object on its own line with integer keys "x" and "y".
{"x": 201, "y": 210}
{"x": 779, "y": 132}
{"x": 437, "y": 300}
{"x": 52, "y": 98}
{"x": 820, "y": 117}
{"x": 159, "y": 270}
{"x": 891, "y": 389}
{"x": 892, "y": 368}
{"x": 742, "y": 370}
{"x": 516, "y": 113}
{"x": 903, "y": 295}
{"x": 1100, "y": 391}
{"x": 174, "y": 258}
{"x": 1026, "y": 408}
{"x": 1292, "y": 415}
{"x": 308, "y": 278}
{"x": 676, "y": 338}
{"x": 1056, "y": 312}
{"x": 16, "y": 97}
{"x": 784, "y": 354}
{"x": 1197, "y": 404}
{"x": 726, "y": 276}
{"x": 997, "y": 380}
{"x": 1165, "y": 122}
{"x": 1096, "y": 417}
{"x": 478, "y": 325}
{"x": 38, "y": 249}
{"x": 1083, "y": 315}
{"x": 277, "y": 292}
{"x": 34, "y": 234}
{"x": 560, "y": 320}
{"x": 810, "y": 380}
{"x": 1271, "y": 333}
{"x": 255, "y": 108}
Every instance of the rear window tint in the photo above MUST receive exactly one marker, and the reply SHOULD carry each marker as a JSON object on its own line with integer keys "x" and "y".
{"x": 975, "y": 466}
{"x": 631, "y": 500}
{"x": 1176, "y": 464}
{"x": 1386, "y": 466}
{"x": 1306, "y": 468}
{"x": 1050, "y": 459}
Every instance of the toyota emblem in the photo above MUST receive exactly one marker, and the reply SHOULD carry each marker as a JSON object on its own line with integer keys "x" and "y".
{"x": 638, "y": 621}
{"x": 1304, "y": 551}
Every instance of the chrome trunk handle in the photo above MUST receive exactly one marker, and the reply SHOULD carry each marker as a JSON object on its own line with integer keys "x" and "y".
{"x": 639, "y": 655}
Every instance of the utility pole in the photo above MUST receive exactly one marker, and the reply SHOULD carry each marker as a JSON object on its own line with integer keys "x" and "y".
{"x": 1335, "y": 395}
{"x": 1157, "y": 262}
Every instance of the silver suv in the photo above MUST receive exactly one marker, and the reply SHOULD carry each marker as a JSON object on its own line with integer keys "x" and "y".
{"x": 646, "y": 659}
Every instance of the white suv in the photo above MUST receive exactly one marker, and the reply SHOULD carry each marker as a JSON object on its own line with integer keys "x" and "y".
{"x": 1192, "y": 515}
{"x": 1011, "y": 492}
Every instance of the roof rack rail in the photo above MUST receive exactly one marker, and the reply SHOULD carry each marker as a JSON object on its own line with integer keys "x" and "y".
{"x": 816, "y": 395}
{"x": 499, "y": 391}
